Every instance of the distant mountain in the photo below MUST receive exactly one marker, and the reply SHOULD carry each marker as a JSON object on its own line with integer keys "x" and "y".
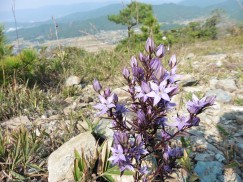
{"x": 45, "y": 13}
{"x": 93, "y": 21}
{"x": 171, "y": 12}
{"x": 231, "y": 8}
{"x": 103, "y": 11}
{"x": 201, "y": 3}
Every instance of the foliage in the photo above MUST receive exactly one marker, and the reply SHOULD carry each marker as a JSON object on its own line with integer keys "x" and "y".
{"x": 20, "y": 100}
{"x": 195, "y": 31}
{"x": 19, "y": 68}
{"x": 20, "y": 155}
{"x": 4, "y": 49}
{"x": 135, "y": 13}
{"x": 151, "y": 87}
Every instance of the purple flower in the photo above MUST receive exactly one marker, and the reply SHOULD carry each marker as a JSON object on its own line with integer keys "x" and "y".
{"x": 160, "y": 51}
{"x": 195, "y": 121}
{"x": 126, "y": 73}
{"x": 180, "y": 122}
{"x": 167, "y": 168}
{"x": 105, "y": 104}
{"x": 176, "y": 152}
{"x": 149, "y": 47}
{"x": 144, "y": 170}
{"x": 138, "y": 73}
{"x": 160, "y": 92}
{"x": 138, "y": 149}
{"x": 120, "y": 110}
{"x": 97, "y": 86}
{"x": 142, "y": 91}
{"x": 168, "y": 106}
{"x": 161, "y": 121}
{"x": 172, "y": 76}
{"x": 117, "y": 155}
{"x": 164, "y": 135}
{"x": 196, "y": 106}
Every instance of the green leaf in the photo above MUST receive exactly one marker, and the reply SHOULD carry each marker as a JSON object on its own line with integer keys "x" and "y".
{"x": 109, "y": 178}
{"x": 77, "y": 173}
{"x": 193, "y": 178}
{"x": 232, "y": 165}
{"x": 35, "y": 167}
{"x": 17, "y": 176}
{"x": 76, "y": 154}
{"x": 116, "y": 171}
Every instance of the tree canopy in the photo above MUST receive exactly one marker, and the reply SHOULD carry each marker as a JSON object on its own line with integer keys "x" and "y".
{"x": 135, "y": 13}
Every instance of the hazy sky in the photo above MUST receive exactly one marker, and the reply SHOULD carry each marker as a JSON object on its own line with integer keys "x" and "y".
{"x": 26, "y": 4}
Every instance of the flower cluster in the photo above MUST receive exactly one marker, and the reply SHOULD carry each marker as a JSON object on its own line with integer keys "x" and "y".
{"x": 151, "y": 88}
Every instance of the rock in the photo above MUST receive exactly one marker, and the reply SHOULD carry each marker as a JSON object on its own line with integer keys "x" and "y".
{"x": 68, "y": 110}
{"x": 60, "y": 162}
{"x": 219, "y": 63}
{"x": 229, "y": 116}
{"x": 226, "y": 85}
{"x": 239, "y": 94}
{"x": 209, "y": 171}
{"x": 72, "y": 80}
{"x": 236, "y": 108}
{"x": 122, "y": 92}
{"x": 221, "y": 96}
{"x": 104, "y": 129}
{"x": 195, "y": 89}
{"x": 204, "y": 157}
{"x": 188, "y": 80}
{"x": 220, "y": 157}
{"x": 16, "y": 122}
{"x": 216, "y": 57}
{"x": 239, "y": 149}
{"x": 124, "y": 178}
{"x": 190, "y": 56}
{"x": 212, "y": 83}
{"x": 231, "y": 176}
{"x": 239, "y": 118}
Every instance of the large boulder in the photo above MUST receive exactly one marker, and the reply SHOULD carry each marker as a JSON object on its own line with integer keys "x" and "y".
{"x": 60, "y": 162}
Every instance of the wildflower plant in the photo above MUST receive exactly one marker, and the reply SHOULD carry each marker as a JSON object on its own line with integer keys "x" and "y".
{"x": 151, "y": 88}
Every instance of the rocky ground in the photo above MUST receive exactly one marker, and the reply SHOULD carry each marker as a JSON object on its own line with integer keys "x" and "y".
{"x": 217, "y": 144}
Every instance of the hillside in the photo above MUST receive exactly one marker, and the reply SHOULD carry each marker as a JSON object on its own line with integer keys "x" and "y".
{"x": 81, "y": 23}
{"x": 200, "y": 3}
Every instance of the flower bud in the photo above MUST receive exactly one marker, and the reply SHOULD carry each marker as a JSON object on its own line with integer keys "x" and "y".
{"x": 97, "y": 86}
{"x": 155, "y": 63}
{"x": 134, "y": 62}
{"x": 172, "y": 61}
{"x": 149, "y": 47}
{"x": 160, "y": 51}
{"x": 107, "y": 92}
{"x": 115, "y": 98}
{"x": 126, "y": 73}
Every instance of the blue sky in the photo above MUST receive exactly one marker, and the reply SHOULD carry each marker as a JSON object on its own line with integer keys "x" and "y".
{"x": 31, "y": 4}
